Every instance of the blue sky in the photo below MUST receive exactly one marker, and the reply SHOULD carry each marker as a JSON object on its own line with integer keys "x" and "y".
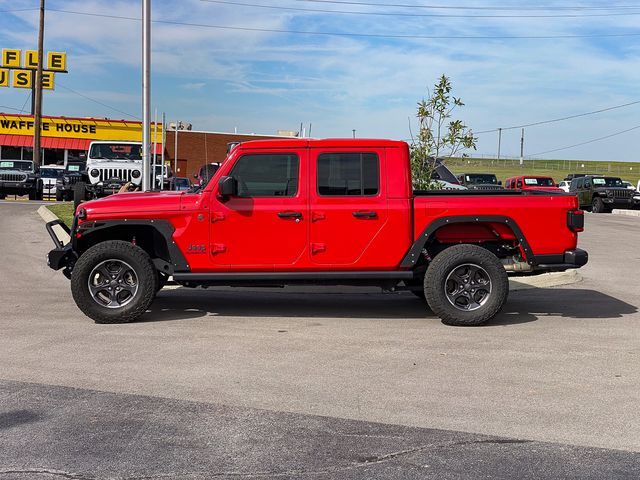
{"x": 261, "y": 82}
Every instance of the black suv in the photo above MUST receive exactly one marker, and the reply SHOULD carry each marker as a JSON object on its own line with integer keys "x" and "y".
{"x": 602, "y": 194}
{"x": 73, "y": 173}
{"x": 480, "y": 181}
{"x": 19, "y": 177}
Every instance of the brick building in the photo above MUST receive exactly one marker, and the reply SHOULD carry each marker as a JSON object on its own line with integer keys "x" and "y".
{"x": 197, "y": 148}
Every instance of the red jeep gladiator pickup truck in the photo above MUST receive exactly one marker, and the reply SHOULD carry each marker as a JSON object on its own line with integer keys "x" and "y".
{"x": 302, "y": 211}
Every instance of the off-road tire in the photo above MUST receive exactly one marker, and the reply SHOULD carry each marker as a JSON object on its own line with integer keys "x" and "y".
{"x": 445, "y": 263}
{"x": 139, "y": 261}
{"x": 59, "y": 196}
{"x": 79, "y": 194}
{"x": 33, "y": 194}
{"x": 67, "y": 195}
{"x": 2, "y": 196}
{"x": 598, "y": 206}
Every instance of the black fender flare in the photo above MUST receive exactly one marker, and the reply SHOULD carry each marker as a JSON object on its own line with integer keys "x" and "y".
{"x": 165, "y": 229}
{"x": 413, "y": 255}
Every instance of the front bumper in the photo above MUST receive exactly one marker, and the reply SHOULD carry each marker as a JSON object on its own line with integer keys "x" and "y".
{"x": 63, "y": 256}
{"x": 631, "y": 202}
{"x": 570, "y": 259}
{"x": 15, "y": 188}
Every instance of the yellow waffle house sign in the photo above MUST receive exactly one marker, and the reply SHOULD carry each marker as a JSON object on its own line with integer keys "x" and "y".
{"x": 18, "y": 70}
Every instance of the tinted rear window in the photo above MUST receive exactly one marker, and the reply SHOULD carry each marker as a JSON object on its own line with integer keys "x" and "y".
{"x": 348, "y": 174}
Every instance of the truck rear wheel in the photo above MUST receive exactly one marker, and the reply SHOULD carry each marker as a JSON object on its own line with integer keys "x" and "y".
{"x": 114, "y": 282}
{"x": 466, "y": 285}
{"x": 58, "y": 195}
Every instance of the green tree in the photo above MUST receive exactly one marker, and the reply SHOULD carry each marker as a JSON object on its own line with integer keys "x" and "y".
{"x": 438, "y": 135}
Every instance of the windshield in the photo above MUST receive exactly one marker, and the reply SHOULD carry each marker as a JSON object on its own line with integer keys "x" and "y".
{"x": 540, "y": 182}
{"x": 51, "y": 172}
{"x": 481, "y": 178}
{"x": 607, "y": 182}
{"x": 116, "y": 151}
{"x": 21, "y": 165}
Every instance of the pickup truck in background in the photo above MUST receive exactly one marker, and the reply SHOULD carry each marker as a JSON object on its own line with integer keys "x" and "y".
{"x": 601, "y": 194}
{"x": 302, "y": 211}
{"x": 532, "y": 182}
{"x": 480, "y": 181}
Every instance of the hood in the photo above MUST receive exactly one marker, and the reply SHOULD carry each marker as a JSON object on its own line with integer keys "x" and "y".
{"x": 132, "y": 203}
{"x": 546, "y": 189}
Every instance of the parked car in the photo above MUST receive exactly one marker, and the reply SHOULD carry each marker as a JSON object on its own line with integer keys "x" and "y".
{"x": 532, "y": 182}
{"x": 205, "y": 173}
{"x": 74, "y": 172}
{"x": 602, "y": 194}
{"x": 49, "y": 175}
{"x": 180, "y": 184}
{"x": 19, "y": 177}
{"x": 337, "y": 211}
{"x": 564, "y": 185}
{"x": 479, "y": 181}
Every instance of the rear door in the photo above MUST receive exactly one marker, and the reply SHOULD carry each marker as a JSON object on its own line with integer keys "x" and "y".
{"x": 348, "y": 205}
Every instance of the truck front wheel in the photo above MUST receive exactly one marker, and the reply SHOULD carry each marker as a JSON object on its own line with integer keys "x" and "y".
{"x": 466, "y": 285}
{"x": 598, "y": 206}
{"x": 114, "y": 282}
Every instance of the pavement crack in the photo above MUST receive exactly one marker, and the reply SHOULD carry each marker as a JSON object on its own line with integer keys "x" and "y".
{"x": 45, "y": 471}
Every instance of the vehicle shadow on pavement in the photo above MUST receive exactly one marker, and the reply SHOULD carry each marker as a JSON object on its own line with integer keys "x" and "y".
{"x": 530, "y": 305}
{"x": 522, "y": 307}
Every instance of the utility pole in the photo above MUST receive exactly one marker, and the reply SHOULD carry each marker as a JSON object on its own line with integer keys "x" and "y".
{"x": 522, "y": 149}
{"x": 164, "y": 138}
{"x": 499, "y": 142}
{"x": 146, "y": 92}
{"x": 354, "y": 133}
{"x": 175, "y": 150}
{"x": 37, "y": 114}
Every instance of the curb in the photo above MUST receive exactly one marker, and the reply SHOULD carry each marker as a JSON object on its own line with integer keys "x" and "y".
{"x": 48, "y": 216}
{"x": 545, "y": 280}
{"x": 628, "y": 213}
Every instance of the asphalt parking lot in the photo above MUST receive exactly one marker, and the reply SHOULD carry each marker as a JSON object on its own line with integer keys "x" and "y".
{"x": 232, "y": 383}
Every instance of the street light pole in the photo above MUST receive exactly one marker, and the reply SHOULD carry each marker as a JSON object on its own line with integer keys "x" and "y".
{"x": 146, "y": 91}
{"x": 37, "y": 114}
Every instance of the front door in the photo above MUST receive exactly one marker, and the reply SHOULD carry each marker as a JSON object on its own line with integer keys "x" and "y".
{"x": 264, "y": 227}
{"x": 349, "y": 208}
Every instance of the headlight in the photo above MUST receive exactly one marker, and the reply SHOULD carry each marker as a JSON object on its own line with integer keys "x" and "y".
{"x": 66, "y": 179}
{"x": 609, "y": 193}
{"x": 95, "y": 172}
{"x": 135, "y": 174}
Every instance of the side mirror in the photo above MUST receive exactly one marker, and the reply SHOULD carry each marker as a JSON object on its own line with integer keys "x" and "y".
{"x": 499, "y": 182}
{"x": 195, "y": 175}
{"x": 227, "y": 187}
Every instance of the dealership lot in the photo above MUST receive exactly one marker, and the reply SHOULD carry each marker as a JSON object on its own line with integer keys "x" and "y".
{"x": 343, "y": 384}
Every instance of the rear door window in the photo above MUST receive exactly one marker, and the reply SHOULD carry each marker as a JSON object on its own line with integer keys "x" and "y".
{"x": 348, "y": 174}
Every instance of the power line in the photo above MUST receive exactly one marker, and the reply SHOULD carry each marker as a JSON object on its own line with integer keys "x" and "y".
{"x": 358, "y": 35}
{"x": 19, "y": 10}
{"x": 98, "y": 102}
{"x": 11, "y": 108}
{"x": 451, "y": 7}
{"x": 419, "y": 15}
{"x": 588, "y": 141}
{"x": 544, "y": 122}
{"x": 458, "y": 7}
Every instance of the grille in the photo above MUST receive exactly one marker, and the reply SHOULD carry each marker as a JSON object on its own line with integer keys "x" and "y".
{"x": 73, "y": 180}
{"x": 13, "y": 177}
{"x": 123, "y": 174}
{"x": 626, "y": 193}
